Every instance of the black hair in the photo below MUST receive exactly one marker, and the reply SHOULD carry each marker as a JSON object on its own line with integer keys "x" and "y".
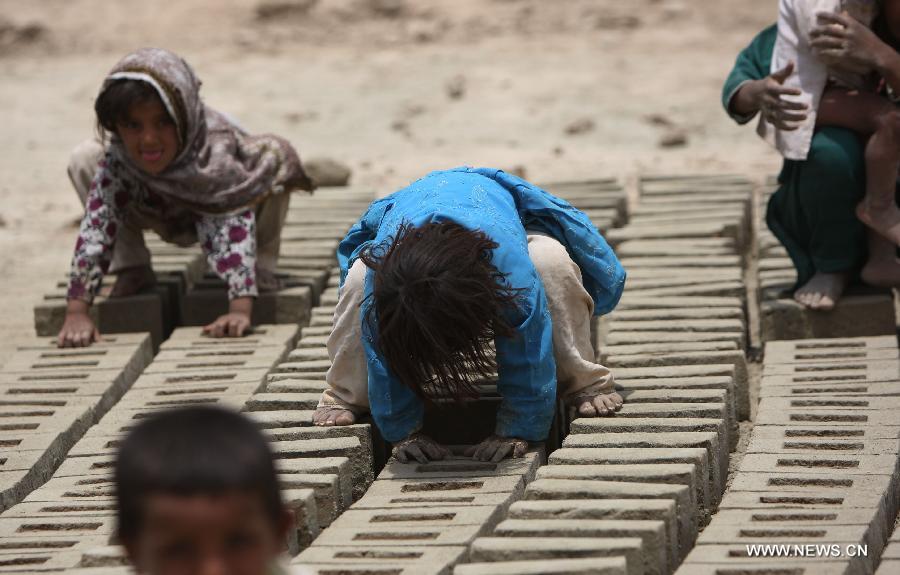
{"x": 439, "y": 303}
{"x": 113, "y": 103}
{"x": 200, "y": 450}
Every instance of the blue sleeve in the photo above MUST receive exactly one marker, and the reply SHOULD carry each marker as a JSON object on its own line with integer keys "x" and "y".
{"x": 361, "y": 235}
{"x": 396, "y": 409}
{"x": 601, "y": 272}
{"x": 527, "y": 373}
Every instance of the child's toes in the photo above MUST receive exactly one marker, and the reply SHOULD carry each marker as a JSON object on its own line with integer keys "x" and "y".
{"x": 587, "y": 409}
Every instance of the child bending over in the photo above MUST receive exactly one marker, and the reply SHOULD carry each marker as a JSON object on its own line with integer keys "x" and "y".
{"x": 847, "y": 77}
{"x": 438, "y": 276}
{"x": 176, "y": 166}
{"x": 197, "y": 492}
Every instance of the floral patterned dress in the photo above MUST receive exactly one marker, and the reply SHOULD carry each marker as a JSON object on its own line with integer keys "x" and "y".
{"x": 228, "y": 241}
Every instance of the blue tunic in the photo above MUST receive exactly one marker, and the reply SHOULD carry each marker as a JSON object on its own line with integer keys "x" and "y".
{"x": 502, "y": 206}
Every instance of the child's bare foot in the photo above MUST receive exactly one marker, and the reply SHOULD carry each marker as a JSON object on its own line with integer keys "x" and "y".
{"x": 822, "y": 291}
{"x": 884, "y": 219}
{"x": 598, "y": 405}
{"x": 331, "y": 415}
{"x": 132, "y": 280}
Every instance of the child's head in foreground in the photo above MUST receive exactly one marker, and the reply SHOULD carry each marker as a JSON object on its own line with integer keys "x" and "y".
{"x": 197, "y": 492}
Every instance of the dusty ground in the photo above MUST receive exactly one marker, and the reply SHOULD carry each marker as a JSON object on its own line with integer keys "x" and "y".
{"x": 563, "y": 88}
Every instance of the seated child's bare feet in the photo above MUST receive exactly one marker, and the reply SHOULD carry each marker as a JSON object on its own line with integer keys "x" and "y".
{"x": 598, "y": 405}
{"x": 822, "y": 291}
{"x": 883, "y": 219}
{"x": 332, "y": 415}
{"x": 132, "y": 280}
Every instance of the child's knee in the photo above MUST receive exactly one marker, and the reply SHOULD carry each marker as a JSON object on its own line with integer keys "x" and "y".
{"x": 551, "y": 260}
{"x": 83, "y": 164}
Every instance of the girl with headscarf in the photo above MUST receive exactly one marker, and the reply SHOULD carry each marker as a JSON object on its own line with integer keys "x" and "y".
{"x": 172, "y": 164}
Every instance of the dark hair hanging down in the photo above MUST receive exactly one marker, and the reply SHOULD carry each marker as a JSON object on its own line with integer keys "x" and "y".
{"x": 113, "y": 103}
{"x": 202, "y": 450}
{"x": 439, "y": 304}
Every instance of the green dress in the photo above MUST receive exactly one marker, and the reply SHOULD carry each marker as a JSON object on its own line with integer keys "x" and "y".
{"x": 812, "y": 212}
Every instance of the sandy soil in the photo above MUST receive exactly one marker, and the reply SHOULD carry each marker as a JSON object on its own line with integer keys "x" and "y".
{"x": 393, "y": 88}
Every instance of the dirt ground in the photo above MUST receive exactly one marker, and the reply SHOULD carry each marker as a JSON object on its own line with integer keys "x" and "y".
{"x": 393, "y": 88}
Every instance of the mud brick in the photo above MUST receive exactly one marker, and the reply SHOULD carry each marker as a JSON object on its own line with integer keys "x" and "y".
{"x": 194, "y": 378}
{"x": 832, "y": 389}
{"x": 270, "y": 353}
{"x": 39, "y": 561}
{"x": 675, "y": 231}
{"x": 379, "y": 536}
{"x": 296, "y": 385}
{"x": 827, "y": 464}
{"x": 800, "y": 432}
{"x": 878, "y": 369}
{"x": 591, "y": 425}
{"x": 287, "y": 306}
{"x": 314, "y": 341}
{"x": 411, "y": 557}
{"x": 827, "y": 377}
{"x": 339, "y": 466}
{"x": 675, "y": 473}
{"x": 425, "y": 500}
{"x": 13, "y": 527}
{"x": 803, "y": 489}
{"x": 261, "y": 336}
{"x": 447, "y": 490}
{"x": 716, "y": 452}
{"x": 615, "y": 509}
{"x": 133, "y": 314}
{"x": 458, "y": 467}
{"x": 303, "y": 366}
{"x": 848, "y": 403}
{"x": 614, "y": 456}
{"x": 640, "y": 301}
{"x": 276, "y": 419}
{"x": 68, "y": 361}
{"x": 758, "y": 566}
{"x": 676, "y": 248}
{"x": 353, "y": 441}
{"x": 182, "y": 391}
{"x": 635, "y": 337}
{"x": 809, "y": 446}
{"x": 663, "y": 395}
{"x": 854, "y": 315}
{"x": 212, "y": 363}
{"x": 688, "y": 286}
{"x": 835, "y": 417}
{"x": 559, "y": 490}
{"x": 485, "y": 517}
{"x": 664, "y": 348}
{"x": 684, "y": 327}
{"x": 314, "y": 331}
{"x": 710, "y": 261}
{"x": 656, "y": 549}
{"x": 56, "y": 510}
{"x": 330, "y": 502}
{"x": 846, "y": 353}
{"x": 505, "y": 549}
{"x": 283, "y": 401}
{"x": 308, "y": 354}
{"x": 592, "y": 566}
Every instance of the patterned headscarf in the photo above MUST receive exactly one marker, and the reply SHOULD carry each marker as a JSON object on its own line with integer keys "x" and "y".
{"x": 219, "y": 168}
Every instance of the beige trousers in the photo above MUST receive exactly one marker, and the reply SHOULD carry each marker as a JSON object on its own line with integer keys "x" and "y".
{"x": 130, "y": 249}
{"x": 571, "y": 309}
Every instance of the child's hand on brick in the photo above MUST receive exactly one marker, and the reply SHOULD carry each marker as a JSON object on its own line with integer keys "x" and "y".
{"x": 78, "y": 329}
{"x": 419, "y": 447}
{"x": 495, "y": 448}
{"x": 235, "y": 323}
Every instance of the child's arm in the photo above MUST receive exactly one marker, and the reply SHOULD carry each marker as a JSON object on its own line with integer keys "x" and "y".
{"x": 230, "y": 246}
{"x": 93, "y": 252}
{"x": 751, "y": 65}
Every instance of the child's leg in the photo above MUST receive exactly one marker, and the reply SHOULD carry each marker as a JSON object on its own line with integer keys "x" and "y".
{"x": 581, "y": 381}
{"x": 270, "y": 217}
{"x": 871, "y": 115}
{"x": 882, "y": 269}
{"x": 131, "y": 258}
{"x": 348, "y": 380}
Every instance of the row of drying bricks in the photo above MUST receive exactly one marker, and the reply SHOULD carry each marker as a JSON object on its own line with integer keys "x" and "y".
{"x": 52, "y": 396}
{"x": 821, "y": 468}
{"x": 91, "y": 381}
{"x": 639, "y": 500}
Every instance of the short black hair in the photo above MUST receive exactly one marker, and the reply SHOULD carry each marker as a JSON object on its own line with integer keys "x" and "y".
{"x": 113, "y": 103}
{"x": 200, "y": 450}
